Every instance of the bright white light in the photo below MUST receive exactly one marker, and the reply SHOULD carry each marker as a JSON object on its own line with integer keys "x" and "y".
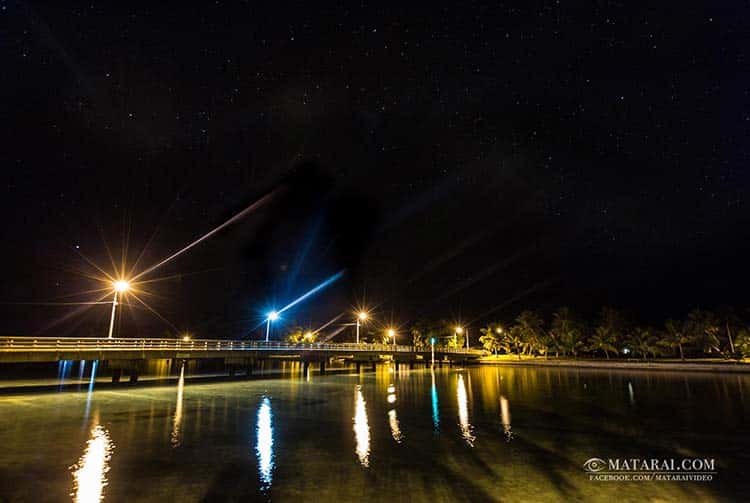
{"x": 90, "y": 475}
{"x": 361, "y": 430}
{"x": 459, "y": 330}
{"x": 395, "y": 426}
{"x": 264, "y": 446}
{"x": 273, "y": 316}
{"x": 463, "y": 412}
{"x": 121, "y": 286}
{"x": 391, "y": 333}
{"x": 362, "y": 315}
{"x": 176, "y": 437}
{"x": 505, "y": 416}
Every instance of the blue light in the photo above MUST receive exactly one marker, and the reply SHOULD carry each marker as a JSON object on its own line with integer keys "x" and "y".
{"x": 312, "y": 291}
{"x": 432, "y": 341}
{"x": 273, "y": 316}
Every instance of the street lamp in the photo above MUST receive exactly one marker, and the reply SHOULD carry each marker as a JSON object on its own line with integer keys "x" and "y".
{"x": 361, "y": 318}
{"x": 392, "y": 335}
{"x": 308, "y": 336}
{"x": 120, "y": 287}
{"x": 272, "y": 316}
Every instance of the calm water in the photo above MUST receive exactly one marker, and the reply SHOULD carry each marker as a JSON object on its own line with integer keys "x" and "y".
{"x": 478, "y": 434}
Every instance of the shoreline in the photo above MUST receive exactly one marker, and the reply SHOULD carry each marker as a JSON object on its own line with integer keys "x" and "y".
{"x": 696, "y": 366}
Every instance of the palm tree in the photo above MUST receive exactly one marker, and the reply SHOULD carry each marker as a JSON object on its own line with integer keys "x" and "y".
{"x": 566, "y": 331}
{"x": 489, "y": 339}
{"x": 643, "y": 341}
{"x": 702, "y": 328}
{"x": 614, "y": 322}
{"x": 511, "y": 341}
{"x": 531, "y": 330}
{"x": 418, "y": 337}
{"x": 674, "y": 337}
{"x": 602, "y": 340}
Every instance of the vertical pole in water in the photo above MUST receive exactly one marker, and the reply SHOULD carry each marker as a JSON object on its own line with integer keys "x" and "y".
{"x": 432, "y": 347}
{"x": 112, "y": 318}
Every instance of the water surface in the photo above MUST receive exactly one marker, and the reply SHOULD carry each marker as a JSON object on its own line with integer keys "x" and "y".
{"x": 477, "y": 434}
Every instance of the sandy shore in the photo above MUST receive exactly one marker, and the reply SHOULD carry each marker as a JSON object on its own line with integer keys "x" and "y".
{"x": 672, "y": 366}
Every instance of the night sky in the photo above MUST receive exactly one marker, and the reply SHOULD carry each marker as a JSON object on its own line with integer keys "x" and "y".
{"x": 461, "y": 162}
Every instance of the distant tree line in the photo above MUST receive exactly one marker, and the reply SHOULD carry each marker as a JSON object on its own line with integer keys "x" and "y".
{"x": 703, "y": 333}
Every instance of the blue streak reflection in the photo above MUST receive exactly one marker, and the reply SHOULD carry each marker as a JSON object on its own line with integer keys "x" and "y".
{"x": 435, "y": 410}
{"x": 264, "y": 446}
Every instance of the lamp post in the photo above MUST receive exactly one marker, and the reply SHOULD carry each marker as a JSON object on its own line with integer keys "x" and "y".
{"x": 272, "y": 316}
{"x": 361, "y": 317}
{"x": 456, "y": 332}
{"x": 432, "y": 348}
{"x": 120, "y": 287}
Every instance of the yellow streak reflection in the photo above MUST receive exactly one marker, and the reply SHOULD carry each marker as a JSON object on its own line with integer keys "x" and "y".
{"x": 175, "y": 438}
{"x": 361, "y": 430}
{"x": 90, "y": 473}
{"x": 395, "y": 426}
{"x": 463, "y": 412}
{"x": 505, "y": 417}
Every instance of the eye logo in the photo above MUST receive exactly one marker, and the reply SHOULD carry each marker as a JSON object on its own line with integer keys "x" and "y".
{"x": 594, "y": 465}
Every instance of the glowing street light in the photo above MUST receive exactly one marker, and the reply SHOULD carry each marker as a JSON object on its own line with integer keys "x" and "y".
{"x": 432, "y": 347}
{"x": 392, "y": 336}
{"x": 459, "y": 330}
{"x": 361, "y": 318}
{"x": 272, "y": 316}
{"x": 120, "y": 287}
{"x": 308, "y": 336}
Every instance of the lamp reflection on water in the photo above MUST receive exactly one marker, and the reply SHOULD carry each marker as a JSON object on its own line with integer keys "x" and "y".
{"x": 175, "y": 438}
{"x": 361, "y": 430}
{"x": 505, "y": 417}
{"x": 264, "y": 445}
{"x": 392, "y": 417}
{"x": 435, "y": 410}
{"x": 395, "y": 426}
{"x": 463, "y": 412}
{"x": 90, "y": 473}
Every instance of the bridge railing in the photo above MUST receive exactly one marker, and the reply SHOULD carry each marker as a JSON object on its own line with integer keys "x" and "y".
{"x": 148, "y": 344}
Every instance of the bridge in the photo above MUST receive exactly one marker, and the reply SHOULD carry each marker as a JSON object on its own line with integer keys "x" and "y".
{"x": 131, "y": 354}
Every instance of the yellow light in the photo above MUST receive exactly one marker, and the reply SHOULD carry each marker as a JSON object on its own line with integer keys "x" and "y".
{"x": 499, "y": 330}
{"x": 391, "y": 333}
{"x": 459, "y": 330}
{"x": 186, "y": 338}
{"x": 308, "y": 335}
{"x": 362, "y": 315}
{"x": 121, "y": 286}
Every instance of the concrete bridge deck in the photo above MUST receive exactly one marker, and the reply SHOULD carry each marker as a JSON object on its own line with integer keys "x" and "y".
{"x": 51, "y": 349}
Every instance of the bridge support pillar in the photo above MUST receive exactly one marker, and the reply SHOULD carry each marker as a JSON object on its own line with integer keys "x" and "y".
{"x": 116, "y": 375}
{"x": 305, "y": 368}
{"x": 323, "y": 367}
{"x": 133, "y": 376}
{"x": 359, "y": 367}
{"x": 396, "y": 365}
{"x": 374, "y": 366}
{"x": 411, "y": 365}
